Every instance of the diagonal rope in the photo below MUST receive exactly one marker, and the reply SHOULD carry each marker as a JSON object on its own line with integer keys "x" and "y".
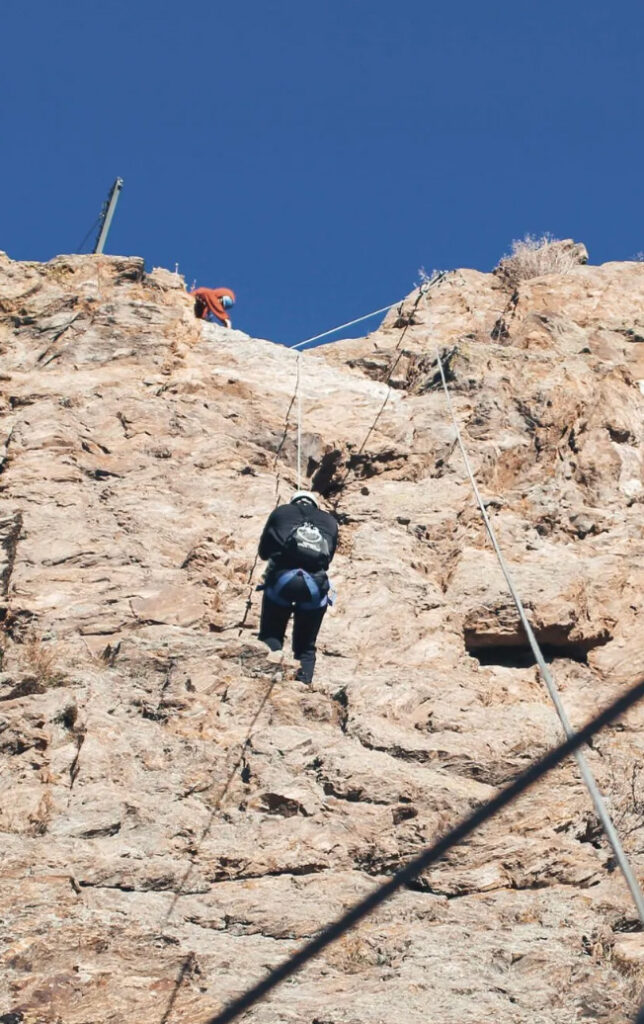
{"x": 79, "y": 248}
{"x": 427, "y": 857}
{"x": 190, "y": 959}
{"x": 325, "y": 334}
{"x": 426, "y": 284}
{"x": 584, "y": 768}
{"x": 224, "y": 792}
{"x": 422, "y": 292}
{"x": 349, "y": 323}
{"x": 187, "y": 966}
{"x": 298, "y": 386}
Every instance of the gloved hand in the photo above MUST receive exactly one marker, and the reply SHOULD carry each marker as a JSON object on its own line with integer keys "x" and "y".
{"x": 229, "y": 324}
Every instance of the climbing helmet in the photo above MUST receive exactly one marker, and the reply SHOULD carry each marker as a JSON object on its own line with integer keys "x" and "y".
{"x": 305, "y": 496}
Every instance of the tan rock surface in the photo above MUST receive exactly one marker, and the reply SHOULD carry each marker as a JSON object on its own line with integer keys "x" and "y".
{"x": 140, "y": 453}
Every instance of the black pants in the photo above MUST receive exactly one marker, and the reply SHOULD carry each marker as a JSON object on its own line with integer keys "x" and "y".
{"x": 306, "y": 626}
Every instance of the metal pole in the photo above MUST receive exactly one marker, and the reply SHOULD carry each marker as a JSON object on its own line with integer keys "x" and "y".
{"x": 107, "y": 214}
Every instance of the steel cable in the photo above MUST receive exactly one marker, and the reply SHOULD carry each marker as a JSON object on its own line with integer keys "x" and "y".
{"x": 584, "y": 768}
{"x": 79, "y": 248}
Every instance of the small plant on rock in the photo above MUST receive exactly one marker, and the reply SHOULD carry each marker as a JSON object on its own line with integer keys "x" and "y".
{"x": 41, "y": 664}
{"x": 537, "y": 257}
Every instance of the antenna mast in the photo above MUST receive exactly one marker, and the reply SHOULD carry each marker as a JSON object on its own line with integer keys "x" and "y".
{"x": 107, "y": 214}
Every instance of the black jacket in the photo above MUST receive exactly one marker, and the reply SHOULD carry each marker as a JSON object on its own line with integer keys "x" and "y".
{"x": 283, "y": 520}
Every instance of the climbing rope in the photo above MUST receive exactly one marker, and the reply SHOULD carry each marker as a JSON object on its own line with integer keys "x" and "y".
{"x": 429, "y": 856}
{"x": 224, "y": 791}
{"x": 297, "y": 399}
{"x": 585, "y": 771}
{"x": 325, "y": 334}
{"x": 245, "y": 744}
{"x": 424, "y": 288}
{"x": 79, "y": 248}
{"x": 298, "y": 387}
{"x": 317, "y": 337}
{"x": 349, "y": 323}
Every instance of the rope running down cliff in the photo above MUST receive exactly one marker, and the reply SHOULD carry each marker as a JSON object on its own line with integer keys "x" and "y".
{"x": 528, "y": 778}
{"x": 298, "y": 385}
{"x": 275, "y": 676}
{"x": 297, "y": 397}
{"x": 585, "y": 771}
{"x": 387, "y": 380}
{"x": 586, "y": 774}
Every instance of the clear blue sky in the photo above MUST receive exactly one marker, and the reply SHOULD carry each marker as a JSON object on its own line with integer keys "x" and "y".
{"x": 314, "y": 155}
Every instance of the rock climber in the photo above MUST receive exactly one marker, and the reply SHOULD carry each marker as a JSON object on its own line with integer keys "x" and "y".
{"x": 298, "y": 541}
{"x": 213, "y": 304}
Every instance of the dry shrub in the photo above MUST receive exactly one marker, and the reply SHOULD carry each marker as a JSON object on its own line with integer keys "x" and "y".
{"x": 537, "y": 257}
{"x": 40, "y": 661}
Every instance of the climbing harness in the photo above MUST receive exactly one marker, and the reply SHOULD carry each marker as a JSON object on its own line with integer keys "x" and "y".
{"x": 427, "y": 858}
{"x": 278, "y": 588}
{"x": 585, "y": 771}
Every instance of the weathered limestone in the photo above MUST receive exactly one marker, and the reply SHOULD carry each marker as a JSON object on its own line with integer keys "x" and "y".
{"x": 140, "y": 452}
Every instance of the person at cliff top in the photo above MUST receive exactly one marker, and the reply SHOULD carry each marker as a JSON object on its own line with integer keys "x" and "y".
{"x": 298, "y": 541}
{"x": 213, "y": 304}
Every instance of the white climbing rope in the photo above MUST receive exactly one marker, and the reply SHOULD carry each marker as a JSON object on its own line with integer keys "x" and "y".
{"x": 425, "y": 286}
{"x": 298, "y": 384}
{"x": 349, "y": 323}
{"x": 584, "y": 768}
{"x": 298, "y": 387}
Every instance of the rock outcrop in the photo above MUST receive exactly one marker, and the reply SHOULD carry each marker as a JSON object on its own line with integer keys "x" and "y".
{"x": 169, "y": 831}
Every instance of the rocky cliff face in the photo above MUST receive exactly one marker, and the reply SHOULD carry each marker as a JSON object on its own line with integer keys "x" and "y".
{"x": 143, "y": 878}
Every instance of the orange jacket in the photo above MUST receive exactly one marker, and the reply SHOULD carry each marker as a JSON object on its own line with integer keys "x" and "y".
{"x": 208, "y": 300}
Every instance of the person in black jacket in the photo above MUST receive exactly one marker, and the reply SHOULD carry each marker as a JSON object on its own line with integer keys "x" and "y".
{"x": 298, "y": 541}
